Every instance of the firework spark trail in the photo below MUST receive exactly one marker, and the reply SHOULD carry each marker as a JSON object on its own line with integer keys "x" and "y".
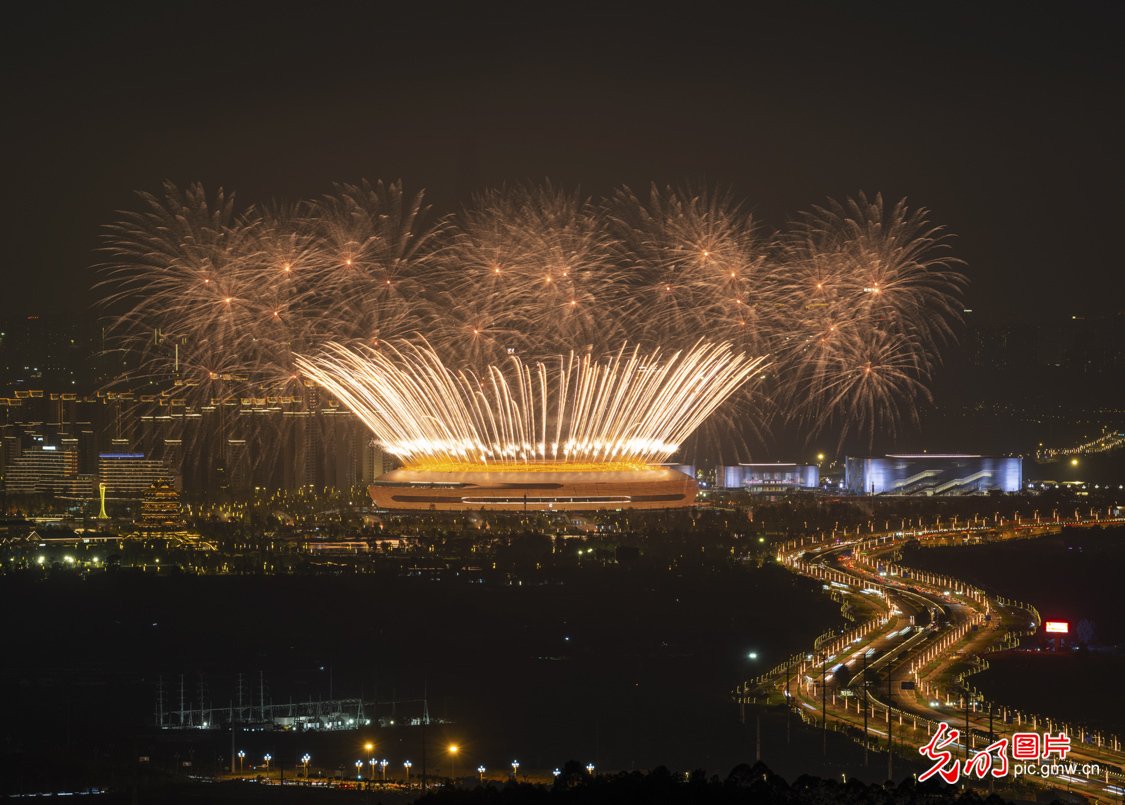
{"x": 851, "y": 302}
{"x": 429, "y": 415}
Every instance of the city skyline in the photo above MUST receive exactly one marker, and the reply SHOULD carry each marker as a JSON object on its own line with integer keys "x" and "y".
{"x": 63, "y": 406}
{"x": 538, "y": 402}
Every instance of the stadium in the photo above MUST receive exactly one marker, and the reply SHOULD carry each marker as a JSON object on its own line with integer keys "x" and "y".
{"x": 514, "y": 490}
{"x": 579, "y": 433}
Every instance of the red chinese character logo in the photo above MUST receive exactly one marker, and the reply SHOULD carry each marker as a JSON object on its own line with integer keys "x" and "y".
{"x": 981, "y": 764}
{"x": 1061, "y": 744}
{"x": 1025, "y": 746}
{"x": 941, "y": 739}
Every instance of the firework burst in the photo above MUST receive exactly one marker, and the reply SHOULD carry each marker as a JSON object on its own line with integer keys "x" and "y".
{"x": 850, "y": 305}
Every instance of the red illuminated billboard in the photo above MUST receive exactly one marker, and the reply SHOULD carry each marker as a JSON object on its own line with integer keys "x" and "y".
{"x": 1061, "y": 627}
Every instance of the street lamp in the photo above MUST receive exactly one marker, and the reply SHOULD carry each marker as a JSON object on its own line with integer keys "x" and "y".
{"x": 753, "y": 655}
{"x": 359, "y": 769}
{"x": 556, "y": 772}
{"x": 241, "y": 755}
{"x": 305, "y": 760}
{"x": 515, "y": 768}
{"x": 373, "y": 763}
{"x": 590, "y": 768}
{"x": 453, "y": 763}
{"x": 383, "y": 763}
{"x": 408, "y": 764}
{"x": 268, "y": 758}
{"x": 480, "y": 769}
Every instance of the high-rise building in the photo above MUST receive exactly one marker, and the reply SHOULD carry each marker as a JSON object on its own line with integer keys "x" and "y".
{"x": 128, "y": 475}
{"x": 57, "y": 349}
{"x": 45, "y": 470}
{"x": 374, "y": 461}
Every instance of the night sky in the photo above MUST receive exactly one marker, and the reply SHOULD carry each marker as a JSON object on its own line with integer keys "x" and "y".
{"x": 1004, "y": 120}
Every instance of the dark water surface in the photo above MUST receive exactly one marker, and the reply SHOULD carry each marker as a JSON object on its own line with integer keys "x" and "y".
{"x": 1069, "y": 577}
{"x": 622, "y": 668}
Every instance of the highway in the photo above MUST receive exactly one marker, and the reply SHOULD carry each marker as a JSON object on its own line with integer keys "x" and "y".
{"x": 927, "y": 625}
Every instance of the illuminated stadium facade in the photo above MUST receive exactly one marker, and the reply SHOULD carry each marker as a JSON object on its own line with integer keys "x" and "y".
{"x": 933, "y": 474}
{"x": 540, "y": 490}
{"x": 770, "y": 479}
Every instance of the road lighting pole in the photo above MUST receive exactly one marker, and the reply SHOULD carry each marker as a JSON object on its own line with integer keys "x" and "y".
{"x": 824, "y": 699}
{"x": 788, "y": 707}
{"x": 453, "y": 763}
{"x": 408, "y": 764}
{"x": 757, "y": 736}
{"x": 305, "y": 760}
{"x": 890, "y": 729}
{"x": 359, "y": 769}
{"x": 384, "y": 765}
{"x": 742, "y": 687}
{"x": 515, "y": 768}
{"x": 590, "y": 768}
{"x": 480, "y": 770}
{"x": 864, "y": 708}
{"x": 241, "y": 755}
{"x": 966, "y": 725}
